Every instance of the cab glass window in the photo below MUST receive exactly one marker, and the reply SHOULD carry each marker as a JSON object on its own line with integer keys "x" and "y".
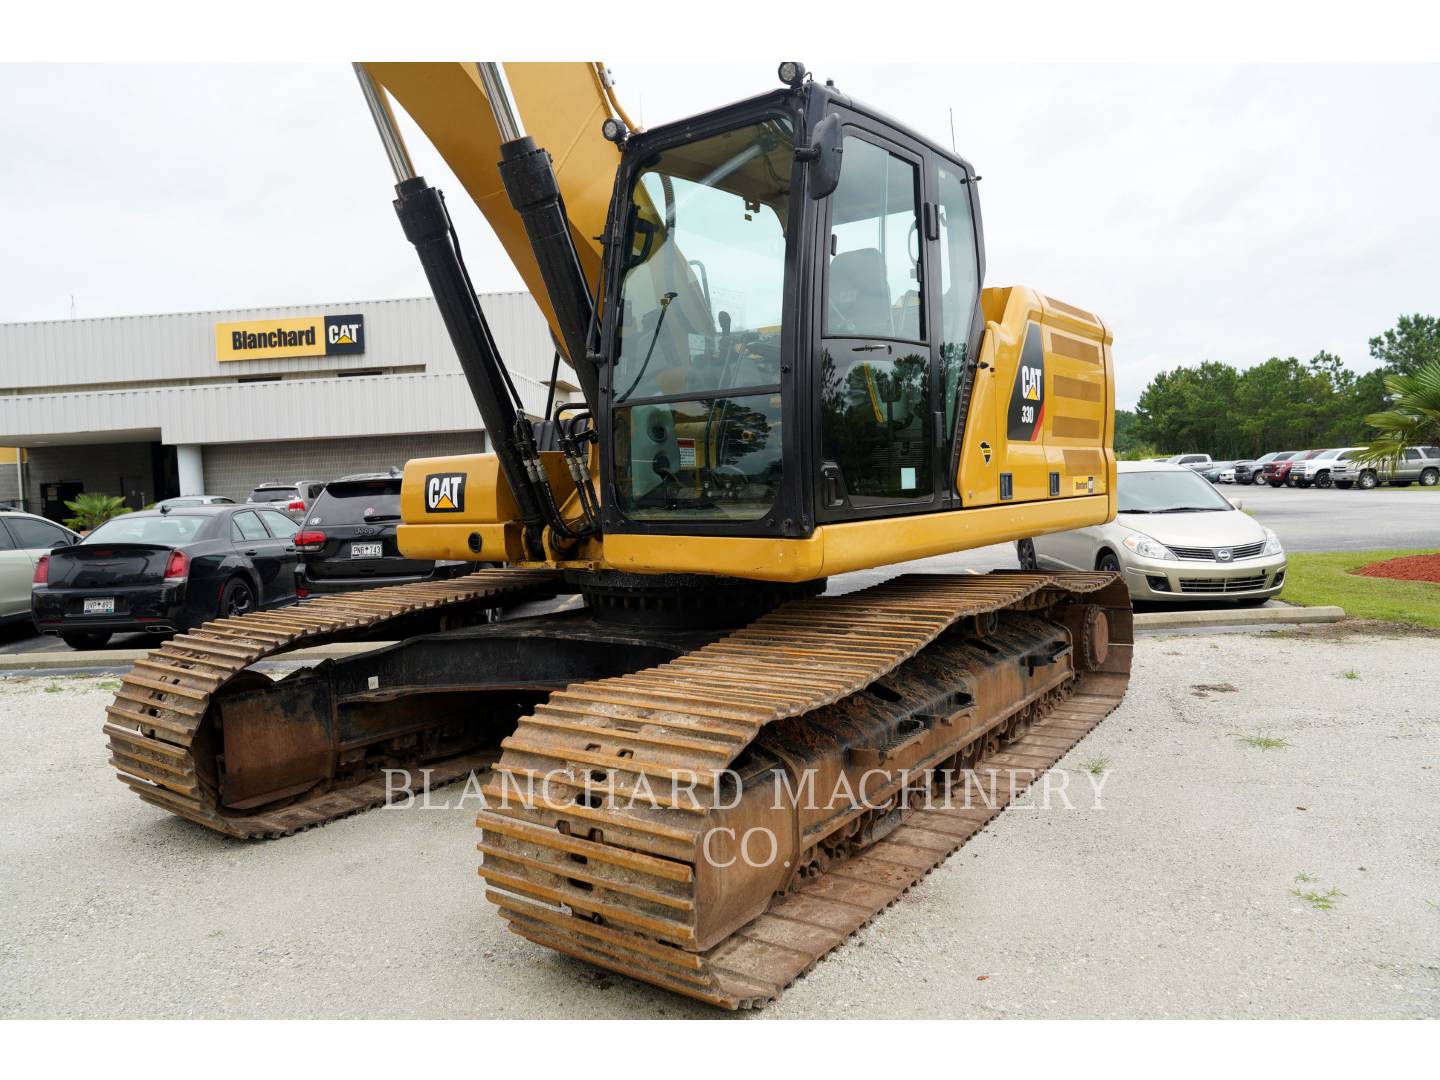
{"x": 699, "y": 323}
{"x": 873, "y": 278}
{"x": 959, "y": 283}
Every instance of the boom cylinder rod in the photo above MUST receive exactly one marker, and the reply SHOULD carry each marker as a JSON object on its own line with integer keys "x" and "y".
{"x": 422, "y": 213}
{"x": 390, "y": 136}
{"x": 528, "y": 174}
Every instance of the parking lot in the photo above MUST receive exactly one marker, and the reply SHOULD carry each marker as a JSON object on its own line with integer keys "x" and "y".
{"x": 1306, "y": 520}
{"x": 1198, "y": 885}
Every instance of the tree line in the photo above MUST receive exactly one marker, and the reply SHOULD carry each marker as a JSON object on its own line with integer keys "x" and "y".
{"x": 1281, "y": 404}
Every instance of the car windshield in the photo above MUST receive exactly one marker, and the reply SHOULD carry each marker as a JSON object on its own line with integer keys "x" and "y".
{"x": 273, "y": 494}
{"x": 1166, "y": 492}
{"x": 133, "y": 529}
{"x": 1327, "y": 455}
{"x": 352, "y": 501}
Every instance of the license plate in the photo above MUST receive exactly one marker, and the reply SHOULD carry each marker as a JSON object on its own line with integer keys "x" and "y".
{"x": 104, "y": 605}
{"x": 365, "y": 551}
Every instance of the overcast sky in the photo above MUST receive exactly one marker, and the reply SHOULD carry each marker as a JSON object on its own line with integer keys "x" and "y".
{"x": 1206, "y": 212}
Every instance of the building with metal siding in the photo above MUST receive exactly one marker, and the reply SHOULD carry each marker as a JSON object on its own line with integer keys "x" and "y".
{"x": 145, "y": 407}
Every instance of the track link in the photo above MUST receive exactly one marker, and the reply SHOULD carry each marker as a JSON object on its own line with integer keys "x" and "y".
{"x": 159, "y": 711}
{"x": 619, "y": 881}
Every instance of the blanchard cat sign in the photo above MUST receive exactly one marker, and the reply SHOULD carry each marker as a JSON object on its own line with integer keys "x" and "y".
{"x": 271, "y": 339}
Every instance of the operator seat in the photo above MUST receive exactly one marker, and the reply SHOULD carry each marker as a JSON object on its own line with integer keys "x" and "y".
{"x": 860, "y": 294}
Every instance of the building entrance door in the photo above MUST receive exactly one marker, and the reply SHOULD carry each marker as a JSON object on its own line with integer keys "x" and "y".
{"x": 53, "y": 497}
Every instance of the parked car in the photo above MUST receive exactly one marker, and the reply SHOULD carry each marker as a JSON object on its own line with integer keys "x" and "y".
{"x": 24, "y": 540}
{"x": 1315, "y": 470}
{"x": 1174, "y": 538}
{"x": 181, "y": 501}
{"x": 1284, "y": 470}
{"x": 1191, "y": 460}
{"x": 348, "y": 539}
{"x": 294, "y": 499}
{"x": 1268, "y": 474}
{"x": 1417, "y": 464}
{"x": 1253, "y": 472}
{"x": 159, "y": 570}
{"x": 1211, "y": 470}
{"x": 1230, "y": 473}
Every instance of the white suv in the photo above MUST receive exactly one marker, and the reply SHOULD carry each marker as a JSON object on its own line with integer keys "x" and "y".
{"x": 1319, "y": 470}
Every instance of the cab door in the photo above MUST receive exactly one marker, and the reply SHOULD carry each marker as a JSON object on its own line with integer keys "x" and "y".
{"x": 875, "y": 365}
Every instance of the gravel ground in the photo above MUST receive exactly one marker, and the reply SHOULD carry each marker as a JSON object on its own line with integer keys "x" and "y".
{"x": 1172, "y": 899}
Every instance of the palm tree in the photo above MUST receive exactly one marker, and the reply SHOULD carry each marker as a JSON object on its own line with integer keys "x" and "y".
{"x": 1413, "y": 418}
{"x": 92, "y": 509}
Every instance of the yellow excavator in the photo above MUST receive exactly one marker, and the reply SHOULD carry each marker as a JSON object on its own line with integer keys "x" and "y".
{"x": 699, "y": 768}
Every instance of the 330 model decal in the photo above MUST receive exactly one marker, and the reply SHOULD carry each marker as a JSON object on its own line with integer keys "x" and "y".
{"x": 1027, "y": 396}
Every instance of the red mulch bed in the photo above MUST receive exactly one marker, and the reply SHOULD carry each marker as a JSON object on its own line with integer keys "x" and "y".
{"x": 1405, "y": 568}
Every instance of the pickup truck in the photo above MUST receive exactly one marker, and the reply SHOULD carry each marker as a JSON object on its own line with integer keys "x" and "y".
{"x": 1417, "y": 464}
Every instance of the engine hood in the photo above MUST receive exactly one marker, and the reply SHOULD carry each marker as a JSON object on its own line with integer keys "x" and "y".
{"x": 1217, "y": 528}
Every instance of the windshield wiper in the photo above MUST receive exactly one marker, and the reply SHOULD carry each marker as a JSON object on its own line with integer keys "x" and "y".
{"x": 382, "y": 517}
{"x": 1188, "y": 510}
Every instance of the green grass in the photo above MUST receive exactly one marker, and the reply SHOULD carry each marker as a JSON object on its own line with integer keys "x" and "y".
{"x": 1317, "y": 578}
{"x": 1096, "y": 765}
{"x": 1320, "y": 901}
{"x": 1351, "y": 674}
{"x": 1264, "y": 742}
{"x": 54, "y": 688}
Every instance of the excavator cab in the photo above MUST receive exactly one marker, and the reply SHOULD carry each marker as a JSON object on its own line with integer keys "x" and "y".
{"x": 793, "y": 292}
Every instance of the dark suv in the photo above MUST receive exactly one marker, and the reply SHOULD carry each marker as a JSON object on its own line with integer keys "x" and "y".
{"x": 347, "y": 540}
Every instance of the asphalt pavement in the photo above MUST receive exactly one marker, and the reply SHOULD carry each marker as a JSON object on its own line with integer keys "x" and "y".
{"x": 1310, "y": 519}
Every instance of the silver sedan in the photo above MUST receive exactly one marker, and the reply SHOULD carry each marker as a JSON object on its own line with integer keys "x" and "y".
{"x": 1174, "y": 537}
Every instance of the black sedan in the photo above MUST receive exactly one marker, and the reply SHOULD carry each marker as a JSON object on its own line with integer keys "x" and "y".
{"x": 161, "y": 571}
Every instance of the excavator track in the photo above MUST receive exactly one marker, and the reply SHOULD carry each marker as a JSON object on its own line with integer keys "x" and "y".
{"x": 163, "y": 704}
{"x": 587, "y": 851}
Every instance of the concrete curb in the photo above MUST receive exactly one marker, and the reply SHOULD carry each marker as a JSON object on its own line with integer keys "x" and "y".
{"x": 1150, "y": 620}
{"x": 1158, "y": 620}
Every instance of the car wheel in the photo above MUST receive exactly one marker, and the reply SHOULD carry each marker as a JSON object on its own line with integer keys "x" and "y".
{"x": 237, "y": 599}
{"x": 1367, "y": 480}
{"x": 85, "y": 641}
{"x": 1430, "y": 477}
{"x": 1344, "y": 485}
{"x": 1323, "y": 480}
{"x": 1108, "y": 562}
{"x": 1025, "y": 552}
{"x": 1275, "y": 483}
